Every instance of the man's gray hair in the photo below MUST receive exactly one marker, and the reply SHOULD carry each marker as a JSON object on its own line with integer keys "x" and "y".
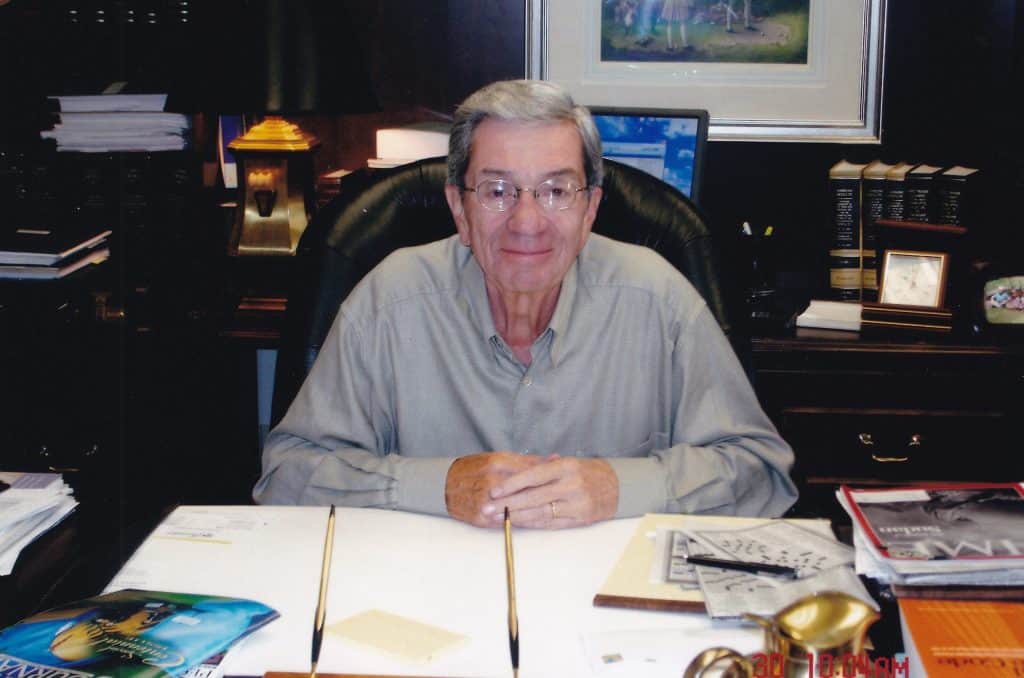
{"x": 521, "y": 101}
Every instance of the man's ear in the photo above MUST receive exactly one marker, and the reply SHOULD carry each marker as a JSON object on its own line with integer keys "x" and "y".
{"x": 593, "y": 203}
{"x": 453, "y": 194}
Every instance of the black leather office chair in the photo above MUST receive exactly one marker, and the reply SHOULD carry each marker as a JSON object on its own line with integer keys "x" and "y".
{"x": 378, "y": 212}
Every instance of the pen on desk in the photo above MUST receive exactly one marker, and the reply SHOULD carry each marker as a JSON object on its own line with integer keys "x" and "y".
{"x": 510, "y": 576}
{"x": 321, "y": 601}
{"x": 754, "y": 568}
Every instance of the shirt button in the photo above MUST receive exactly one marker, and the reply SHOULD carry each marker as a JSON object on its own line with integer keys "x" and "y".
{"x": 527, "y": 381}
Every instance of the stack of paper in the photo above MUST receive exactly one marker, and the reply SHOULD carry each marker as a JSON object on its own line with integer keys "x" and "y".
{"x": 118, "y": 122}
{"x": 834, "y": 315}
{"x": 821, "y": 564}
{"x": 30, "y": 504}
{"x": 966, "y": 535}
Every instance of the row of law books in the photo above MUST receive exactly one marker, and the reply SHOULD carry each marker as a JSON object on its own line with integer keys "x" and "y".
{"x": 38, "y": 253}
{"x": 863, "y": 193}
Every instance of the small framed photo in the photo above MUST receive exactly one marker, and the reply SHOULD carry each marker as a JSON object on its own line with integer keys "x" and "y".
{"x": 1003, "y": 300}
{"x": 911, "y": 278}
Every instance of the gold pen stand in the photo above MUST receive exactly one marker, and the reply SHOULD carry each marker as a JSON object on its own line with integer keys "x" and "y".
{"x": 820, "y": 631}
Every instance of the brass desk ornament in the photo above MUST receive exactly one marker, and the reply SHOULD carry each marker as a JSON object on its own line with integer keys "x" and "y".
{"x": 276, "y": 188}
{"x": 828, "y": 627}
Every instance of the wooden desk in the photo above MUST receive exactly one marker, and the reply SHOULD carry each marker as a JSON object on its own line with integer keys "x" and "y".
{"x": 876, "y": 411}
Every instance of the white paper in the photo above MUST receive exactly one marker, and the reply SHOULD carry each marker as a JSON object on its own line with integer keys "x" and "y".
{"x": 435, "y": 570}
{"x": 661, "y": 653}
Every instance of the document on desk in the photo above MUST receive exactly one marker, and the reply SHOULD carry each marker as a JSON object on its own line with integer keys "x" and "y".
{"x": 431, "y": 570}
{"x": 821, "y": 562}
{"x": 644, "y": 576}
{"x": 268, "y": 554}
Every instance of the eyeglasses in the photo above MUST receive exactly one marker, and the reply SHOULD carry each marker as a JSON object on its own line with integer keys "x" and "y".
{"x": 500, "y": 195}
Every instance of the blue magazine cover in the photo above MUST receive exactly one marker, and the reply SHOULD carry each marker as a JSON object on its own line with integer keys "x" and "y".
{"x": 128, "y": 634}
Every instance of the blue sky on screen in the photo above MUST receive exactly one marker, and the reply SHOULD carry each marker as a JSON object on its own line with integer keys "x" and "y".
{"x": 678, "y": 134}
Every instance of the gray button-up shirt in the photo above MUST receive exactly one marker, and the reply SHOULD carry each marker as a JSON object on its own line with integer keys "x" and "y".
{"x": 633, "y": 368}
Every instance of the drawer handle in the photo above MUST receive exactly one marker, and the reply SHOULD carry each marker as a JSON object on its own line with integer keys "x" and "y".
{"x": 889, "y": 460}
{"x": 868, "y": 440}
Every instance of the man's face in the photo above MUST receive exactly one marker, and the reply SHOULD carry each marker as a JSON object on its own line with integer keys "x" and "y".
{"x": 526, "y": 248}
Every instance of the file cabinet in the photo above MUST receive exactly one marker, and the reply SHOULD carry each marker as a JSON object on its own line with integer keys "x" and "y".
{"x": 883, "y": 412}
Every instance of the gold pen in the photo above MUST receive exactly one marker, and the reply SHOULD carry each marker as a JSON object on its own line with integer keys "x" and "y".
{"x": 321, "y": 602}
{"x": 510, "y": 575}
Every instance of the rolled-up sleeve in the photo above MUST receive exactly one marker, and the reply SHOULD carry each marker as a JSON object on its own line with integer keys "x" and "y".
{"x": 724, "y": 455}
{"x": 330, "y": 447}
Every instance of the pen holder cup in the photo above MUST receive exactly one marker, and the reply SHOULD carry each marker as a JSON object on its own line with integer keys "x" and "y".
{"x": 827, "y": 629}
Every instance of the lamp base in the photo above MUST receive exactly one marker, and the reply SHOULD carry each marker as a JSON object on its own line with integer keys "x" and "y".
{"x": 276, "y": 191}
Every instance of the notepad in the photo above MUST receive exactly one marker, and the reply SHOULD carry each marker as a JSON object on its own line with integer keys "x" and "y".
{"x": 396, "y": 635}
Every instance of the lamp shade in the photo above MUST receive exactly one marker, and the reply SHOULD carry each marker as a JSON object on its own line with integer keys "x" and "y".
{"x": 282, "y": 56}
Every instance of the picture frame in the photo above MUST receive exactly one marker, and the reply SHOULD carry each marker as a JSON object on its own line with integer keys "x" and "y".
{"x": 835, "y": 95}
{"x": 1003, "y": 299}
{"x": 914, "y": 278}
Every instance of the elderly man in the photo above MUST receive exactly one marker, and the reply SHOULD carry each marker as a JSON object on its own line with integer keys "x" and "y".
{"x": 525, "y": 362}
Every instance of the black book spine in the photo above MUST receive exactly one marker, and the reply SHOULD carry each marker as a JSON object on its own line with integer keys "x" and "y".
{"x": 920, "y": 198}
{"x": 895, "y": 199}
{"x": 845, "y": 279}
{"x": 873, "y": 206}
{"x": 959, "y": 200}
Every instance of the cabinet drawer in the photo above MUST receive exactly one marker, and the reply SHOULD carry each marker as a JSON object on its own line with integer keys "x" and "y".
{"x": 883, "y": 445}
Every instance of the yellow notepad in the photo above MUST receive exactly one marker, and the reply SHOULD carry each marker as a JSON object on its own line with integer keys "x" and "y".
{"x": 396, "y": 635}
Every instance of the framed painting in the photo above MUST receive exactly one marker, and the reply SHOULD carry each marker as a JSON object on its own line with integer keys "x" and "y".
{"x": 780, "y": 70}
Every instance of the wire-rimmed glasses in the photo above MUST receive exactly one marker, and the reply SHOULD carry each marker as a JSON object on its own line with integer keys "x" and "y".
{"x": 501, "y": 195}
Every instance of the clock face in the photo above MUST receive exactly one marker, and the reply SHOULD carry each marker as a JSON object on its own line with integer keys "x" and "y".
{"x": 912, "y": 279}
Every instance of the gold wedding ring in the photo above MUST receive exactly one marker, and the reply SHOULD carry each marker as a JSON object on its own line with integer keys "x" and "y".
{"x": 554, "y": 510}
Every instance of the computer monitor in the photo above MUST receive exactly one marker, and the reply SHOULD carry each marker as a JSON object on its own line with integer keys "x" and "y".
{"x": 669, "y": 144}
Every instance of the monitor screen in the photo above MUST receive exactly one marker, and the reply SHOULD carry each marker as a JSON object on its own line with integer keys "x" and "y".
{"x": 668, "y": 144}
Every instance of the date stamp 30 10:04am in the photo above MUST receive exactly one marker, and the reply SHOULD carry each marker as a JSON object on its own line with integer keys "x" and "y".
{"x": 773, "y": 665}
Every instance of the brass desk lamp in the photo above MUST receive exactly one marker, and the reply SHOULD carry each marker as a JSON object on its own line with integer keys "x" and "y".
{"x": 300, "y": 56}
{"x": 276, "y": 199}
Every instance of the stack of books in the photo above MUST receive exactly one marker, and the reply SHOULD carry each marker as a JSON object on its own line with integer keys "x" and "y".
{"x": 118, "y": 122}
{"x": 328, "y": 186}
{"x": 45, "y": 253}
{"x": 954, "y": 557}
{"x": 30, "y": 504}
{"x": 940, "y": 541}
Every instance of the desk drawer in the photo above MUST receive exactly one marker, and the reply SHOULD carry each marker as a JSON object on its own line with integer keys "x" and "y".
{"x": 882, "y": 445}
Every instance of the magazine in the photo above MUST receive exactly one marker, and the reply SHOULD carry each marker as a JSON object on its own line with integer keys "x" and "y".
{"x": 940, "y": 530}
{"x": 129, "y": 634}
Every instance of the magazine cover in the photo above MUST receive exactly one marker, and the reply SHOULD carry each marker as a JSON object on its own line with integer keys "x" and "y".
{"x": 128, "y": 634}
{"x": 942, "y": 523}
